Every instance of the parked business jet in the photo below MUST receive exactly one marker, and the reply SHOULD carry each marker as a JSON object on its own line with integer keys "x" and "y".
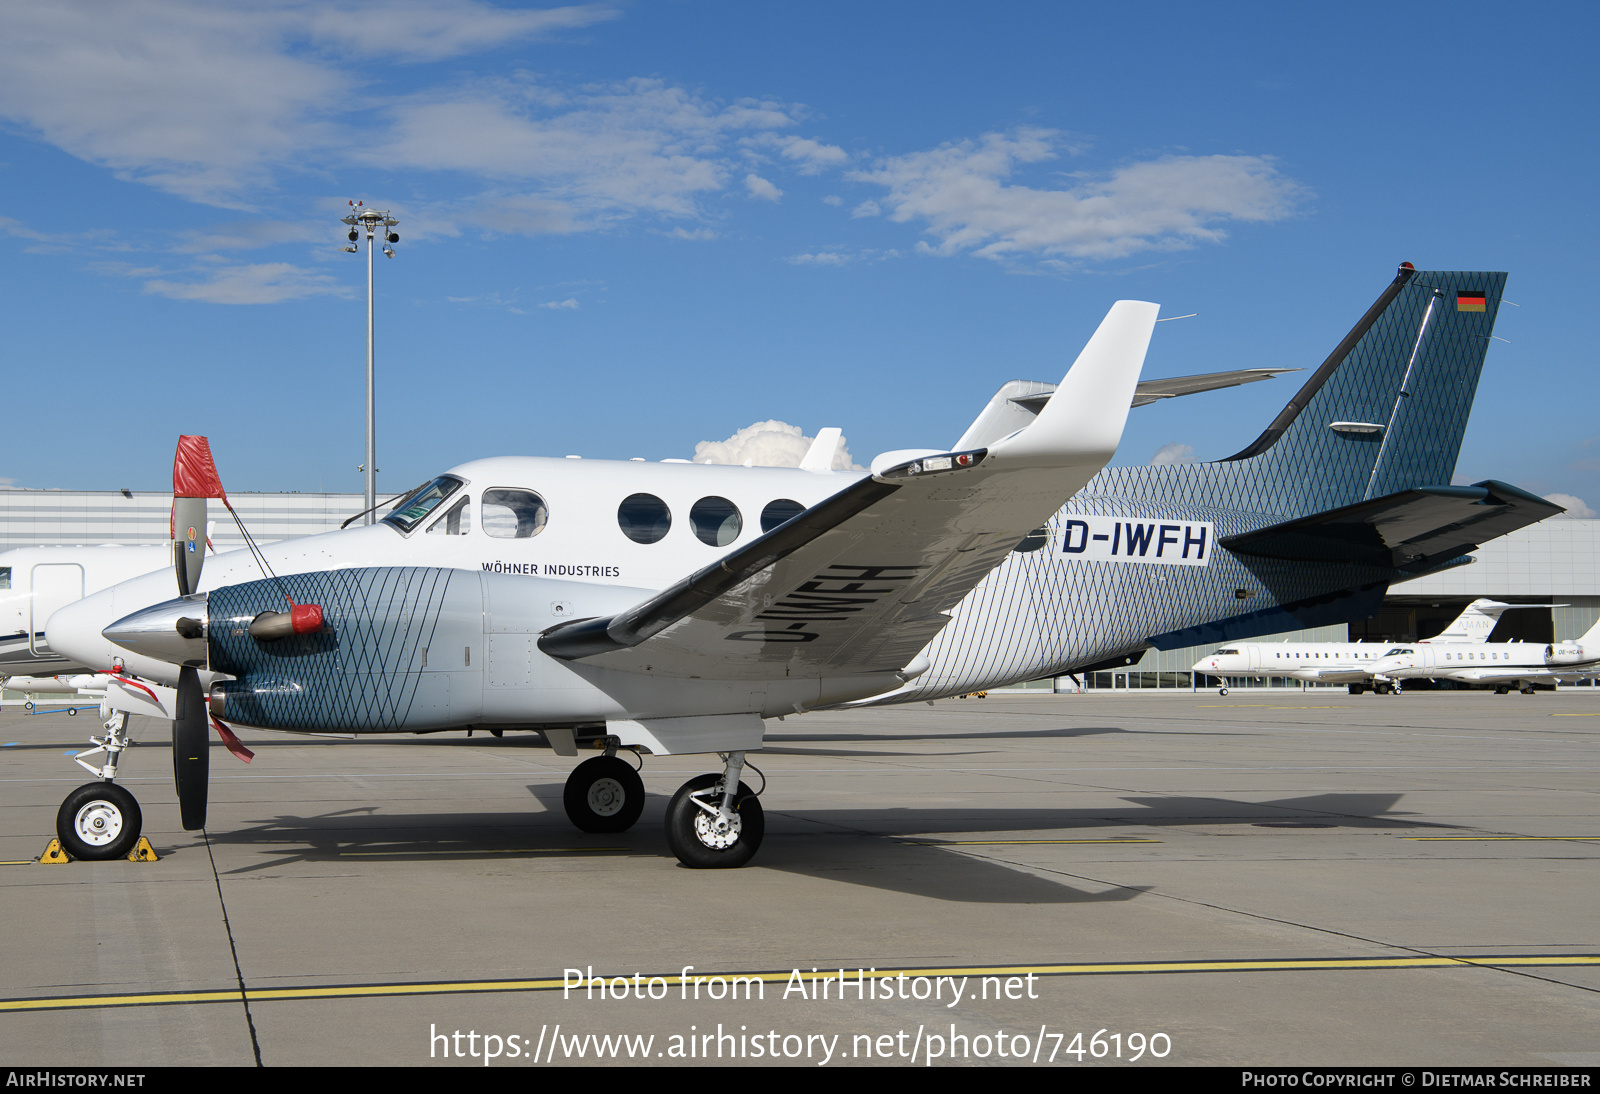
{"x": 670, "y": 608}
{"x": 1340, "y": 662}
{"x": 36, "y": 581}
{"x": 1505, "y": 665}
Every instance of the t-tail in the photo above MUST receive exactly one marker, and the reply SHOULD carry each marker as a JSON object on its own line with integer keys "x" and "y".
{"x": 1478, "y": 620}
{"x": 1384, "y": 413}
{"x": 1345, "y": 492}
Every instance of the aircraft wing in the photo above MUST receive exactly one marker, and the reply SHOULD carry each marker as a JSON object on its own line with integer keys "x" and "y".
{"x": 1412, "y": 529}
{"x": 1506, "y": 674}
{"x": 861, "y": 582}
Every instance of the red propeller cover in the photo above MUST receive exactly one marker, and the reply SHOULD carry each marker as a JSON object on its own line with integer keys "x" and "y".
{"x": 194, "y": 472}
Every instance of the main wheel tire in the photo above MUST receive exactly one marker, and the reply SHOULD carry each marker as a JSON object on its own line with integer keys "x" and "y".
{"x": 696, "y": 837}
{"x": 99, "y": 821}
{"x": 604, "y": 794}
{"x": 1357, "y": 689}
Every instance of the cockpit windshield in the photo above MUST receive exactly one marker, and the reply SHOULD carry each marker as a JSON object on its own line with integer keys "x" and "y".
{"x": 1397, "y": 649}
{"x": 410, "y": 512}
{"x": 1226, "y": 653}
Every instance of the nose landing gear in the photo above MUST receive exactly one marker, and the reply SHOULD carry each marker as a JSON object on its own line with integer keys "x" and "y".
{"x": 101, "y": 820}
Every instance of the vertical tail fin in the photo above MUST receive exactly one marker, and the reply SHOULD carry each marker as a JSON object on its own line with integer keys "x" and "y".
{"x": 1477, "y": 621}
{"x": 1387, "y": 410}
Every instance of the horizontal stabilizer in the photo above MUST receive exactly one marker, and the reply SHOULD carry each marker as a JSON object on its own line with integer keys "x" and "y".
{"x": 1410, "y": 530}
{"x": 1150, "y": 391}
{"x": 1018, "y": 401}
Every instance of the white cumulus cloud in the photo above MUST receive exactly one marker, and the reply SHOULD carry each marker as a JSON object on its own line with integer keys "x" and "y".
{"x": 768, "y": 444}
{"x": 810, "y": 157}
{"x": 1173, "y": 453}
{"x": 1577, "y": 508}
{"x": 761, "y": 188}
{"x": 962, "y": 194}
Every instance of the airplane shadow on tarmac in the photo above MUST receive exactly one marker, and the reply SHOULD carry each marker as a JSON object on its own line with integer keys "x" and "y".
{"x": 888, "y": 849}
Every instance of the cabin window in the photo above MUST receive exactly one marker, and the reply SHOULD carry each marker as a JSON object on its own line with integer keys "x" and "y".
{"x": 777, "y": 512}
{"x": 457, "y": 522}
{"x": 644, "y": 518}
{"x": 1033, "y": 541}
{"x": 716, "y": 521}
{"x": 411, "y": 512}
{"x": 5, "y": 577}
{"x": 514, "y": 514}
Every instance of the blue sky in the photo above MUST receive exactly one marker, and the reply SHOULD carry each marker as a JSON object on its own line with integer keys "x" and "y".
{"x": 628, "y": 228}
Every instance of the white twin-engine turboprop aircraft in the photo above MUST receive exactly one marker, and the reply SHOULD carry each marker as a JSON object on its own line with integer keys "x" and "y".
{"x": 670, "y": 608}
{"x": 676, "y": 644}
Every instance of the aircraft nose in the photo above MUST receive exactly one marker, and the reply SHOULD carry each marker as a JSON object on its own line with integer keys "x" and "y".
{"x": 74, "y": 632}
{"x": 174, "y": 632}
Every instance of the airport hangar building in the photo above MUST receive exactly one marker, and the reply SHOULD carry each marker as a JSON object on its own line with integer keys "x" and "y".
{"x": 1555, "y": 562}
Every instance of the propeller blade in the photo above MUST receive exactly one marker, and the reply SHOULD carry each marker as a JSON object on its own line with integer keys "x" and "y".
{"x": 191, "y": 749}
{"x": 188, "y": 542}
{"x": 194, "y": 479}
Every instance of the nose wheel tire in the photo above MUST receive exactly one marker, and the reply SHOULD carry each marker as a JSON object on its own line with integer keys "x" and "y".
{"x": 604, "y": 794}
{"x": 699, "y": 835}
{"x": 1222, "y": 691}
{"x": 99, "y": 821}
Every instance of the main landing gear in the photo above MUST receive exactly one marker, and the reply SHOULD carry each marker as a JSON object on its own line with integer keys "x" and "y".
{"x": 604, "y": 794}
{"x": 716, "y": 821}
{"x": 709, "y": 826}
{"x": 101, "y": 820}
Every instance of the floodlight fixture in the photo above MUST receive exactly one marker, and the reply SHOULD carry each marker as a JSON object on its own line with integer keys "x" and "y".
{"x": 358, "y": 218}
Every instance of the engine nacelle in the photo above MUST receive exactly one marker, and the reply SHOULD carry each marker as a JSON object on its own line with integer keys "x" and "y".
{"x": 1568, "y": 653}
{"x": 376, "y": 663}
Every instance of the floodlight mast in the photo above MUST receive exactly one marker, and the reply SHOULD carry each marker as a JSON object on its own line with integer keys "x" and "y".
{"x": 362, "y": 217}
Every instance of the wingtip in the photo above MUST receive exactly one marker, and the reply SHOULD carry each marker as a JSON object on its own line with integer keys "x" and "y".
{"x": 1086, "y": 414}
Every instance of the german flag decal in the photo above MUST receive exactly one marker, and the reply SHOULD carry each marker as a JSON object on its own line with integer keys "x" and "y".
{"x": 1470, "y": 300}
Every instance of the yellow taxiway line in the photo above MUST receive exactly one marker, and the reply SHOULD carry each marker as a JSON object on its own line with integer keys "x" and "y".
{"x": 460, "y": 987}
{"x": 1490, "y": 839}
